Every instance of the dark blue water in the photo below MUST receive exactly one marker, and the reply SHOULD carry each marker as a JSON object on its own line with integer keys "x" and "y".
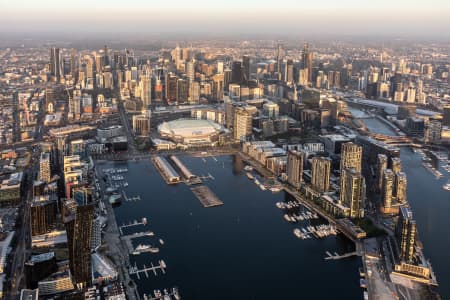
{"x": 241, "y": 250}
{"x": 431, "y": 207}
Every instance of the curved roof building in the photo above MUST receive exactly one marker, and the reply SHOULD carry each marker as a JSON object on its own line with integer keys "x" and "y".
{"x": 191, "y": 131}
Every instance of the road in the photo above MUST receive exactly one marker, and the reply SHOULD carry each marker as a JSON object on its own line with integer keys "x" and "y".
{"x": 23, "y": 240}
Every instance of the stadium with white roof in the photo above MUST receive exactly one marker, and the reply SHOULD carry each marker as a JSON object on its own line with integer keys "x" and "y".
{"x": 191, "y": 132}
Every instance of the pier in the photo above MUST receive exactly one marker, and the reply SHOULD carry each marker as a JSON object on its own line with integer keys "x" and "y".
{"x": 132, "y": 199}
{"x": 337, "y": 256}
{"x": 132, "y": 224}
{"x": 128, "y": 238}
{"x": 146, "y": 270}
{"x": 167, "y": 172}
{"x": 206, "y": 197}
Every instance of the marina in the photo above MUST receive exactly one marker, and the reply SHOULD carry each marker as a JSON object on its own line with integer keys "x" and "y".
{"x": 249, "y": 215}
{"x": 206, "y": 197}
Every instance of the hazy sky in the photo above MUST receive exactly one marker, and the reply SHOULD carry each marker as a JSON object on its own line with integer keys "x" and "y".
{"x": 296, "y": 17}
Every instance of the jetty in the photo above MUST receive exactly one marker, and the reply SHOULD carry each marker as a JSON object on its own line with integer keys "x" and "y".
{"x": 148, "y": 270}
{"x": 206, "y": 197}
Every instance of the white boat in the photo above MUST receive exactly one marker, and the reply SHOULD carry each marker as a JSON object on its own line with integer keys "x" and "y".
{"x": 161, "y": 241}
{"x": 287, "y": 218}
{"x": 446, "y": 186}
{"x": 250, "y": 176}
{"x": 275, "y": 189}
{"x": 298, "y": 233}
{"x": 150, "y": 233}
{"x": 248, "y": 168}
{"x": 262, "y": 187}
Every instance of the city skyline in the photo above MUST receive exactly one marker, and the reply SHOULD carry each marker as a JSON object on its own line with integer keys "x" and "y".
{"x": 289, "y": 17}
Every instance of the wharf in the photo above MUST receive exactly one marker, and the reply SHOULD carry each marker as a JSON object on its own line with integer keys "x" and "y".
{"x": 337, "y": 256}
{"x": 146, "y": 270}
{"x": 132, "y": 224}
{"x": 130, "y": 199}
{"x": 128, "y": 238}
{"x": 206, "y": 197}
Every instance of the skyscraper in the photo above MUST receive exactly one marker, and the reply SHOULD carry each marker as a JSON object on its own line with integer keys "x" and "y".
{"x": 353, "y": 192}
{"x": 351, "y": 155}
{"x": 294, "y": 168}
{"x": 243, "y": 121}
{"x": 78, "y": 219}
{"x": 396, "y": 164}
{"x": 406, "y": 234}
{"x": 307, "y": 58}
{"x": 42, "y": 215}
{"x": 382, "y": 164}
{"x": 387, "y": 188}
{"x": 400, "y": 187}
{"x": 279, "y": 60}
{"x": 236, "y": 72}
{"x": 190, "y": 70}
{"x": 245, "y": 69}
{"x": 218, "y": 87}
{"x": 49, "y": 99}
{"x": 171, "y": 88}
{"x": 446, "y": 119}
{"x": 44, "y": 167}
{"x": 320, "y": 174}
{"x": 289, "y": 72}
{"x": 55, "y": 62}
{"x": 146, "y": 91}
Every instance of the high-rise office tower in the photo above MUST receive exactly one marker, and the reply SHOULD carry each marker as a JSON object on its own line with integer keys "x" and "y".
{"x": 387, "y": 188}
{"x": 141, "y": 124}
{"x": 243, "y": 121}
{"x": 218, "y": 87}
{"x": 55, "y": 62}
{"x": 351, "y": 156}
{"x": 190, "y": 70}
{"x": 320, "y": 174}
{"x": 279, "y": 61}
{"x": 400, "y": 186}
{"x": 183, "y": 91}
{"x": 289, "y": 72}
{"x": 337, "y": 79}
{"x": 307, "y": 58}
{"x": 294, "y": 168}
{"x": 245, "y": 69}
{"x": 99, "y": 60}
{"x": 44, "y": 167}
{"x": 73, "y": 63}
{"x": 78, "y": 219}
{"x": 106, "y": 56}
{"x": 171, "y": 88}
{"x": 382, "y": 164}
{"x": 146, "y": 90}
{"x": 236, "y": 72}
{"x": 353, "y": 192}
{"x": 406, "y": 232}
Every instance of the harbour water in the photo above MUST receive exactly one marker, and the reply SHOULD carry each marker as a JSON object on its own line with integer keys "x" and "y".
{"x": 243, "y": 249}
{"x": 430, "y": 204}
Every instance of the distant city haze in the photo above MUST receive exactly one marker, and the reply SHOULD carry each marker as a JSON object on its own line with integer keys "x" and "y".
{"x": 287, "y": 17}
